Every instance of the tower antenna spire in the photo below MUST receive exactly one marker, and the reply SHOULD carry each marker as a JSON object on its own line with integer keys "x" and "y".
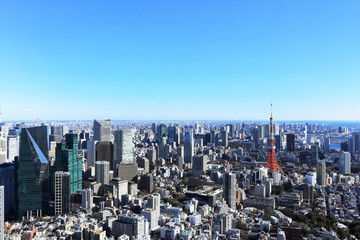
{"x": 271, "y": 161}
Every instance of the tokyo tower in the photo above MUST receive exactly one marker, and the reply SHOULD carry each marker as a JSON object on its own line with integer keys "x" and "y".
{"x": 271, "y": 161}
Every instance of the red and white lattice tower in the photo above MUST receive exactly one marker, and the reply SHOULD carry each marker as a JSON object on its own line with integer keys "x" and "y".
{"x": 271, "y": 161}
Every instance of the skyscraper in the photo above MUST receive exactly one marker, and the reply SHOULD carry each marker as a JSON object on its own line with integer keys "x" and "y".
{"x": 161, "y": 131}
{"x": 62, "y": 193}
{"x": 326, "y": 144}
{"x": 189, "y": 146}
{"x": 225, "y": 138}
{"x": 87, "y": 199}
{"x": 102, "y": 169}
{"x": 104, "y": 151}
{"x": 321, "y": 174}
{"x": 68, "y": 160}
{"x": 314, "y": 154}
{"x": 123, "y": 147}
{"x": 256, "y": 136}
{"x": 57, "y": 133}
{"x": 344, "y": 163}
{"x": 102, "y": 130}
{"x": 2, "y": 212}
{"x": 33, "y": 173}
{"x": 355, "y": 142}
{"x": 229, "y": 189}
{"x": 290, "y": 142}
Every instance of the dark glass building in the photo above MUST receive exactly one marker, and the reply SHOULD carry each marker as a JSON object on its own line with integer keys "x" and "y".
{"x": 290, "y": 142}
{"x": 33, "y": 172}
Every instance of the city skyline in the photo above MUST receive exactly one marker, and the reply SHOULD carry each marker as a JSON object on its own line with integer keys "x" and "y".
{"x": 184, "y": 61}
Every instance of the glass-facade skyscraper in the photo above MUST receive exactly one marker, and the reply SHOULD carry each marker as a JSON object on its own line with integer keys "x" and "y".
{"x": 67, "y": 160}
{"x": 33, "y": 172}
{"x": 123, "y": 147}
{"x": 102, "y": 130}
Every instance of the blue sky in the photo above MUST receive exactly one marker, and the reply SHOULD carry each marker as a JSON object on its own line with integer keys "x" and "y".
{"x": 210, "y": 60}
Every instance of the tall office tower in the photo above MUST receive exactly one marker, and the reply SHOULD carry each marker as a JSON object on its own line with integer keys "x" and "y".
{"x": 153, "y": 128}
{"x": 200, "y": 165}
{"x": 225, "y": 138}
{"x": 40, "y": 135}
{"x": 213, "y": 135}
{"x": 161, "y": 131}
{"x": 180, "y": 162}
{"x": 262, "y": 131}
{"x": 171, "y": 133}
{"x": 189, "y": 146}
{"x": 344, "y": 163}
{"x": 207, "y": 139}
{"x": 102, "y": 130}
{"x": 321, "y": 173}
{"x": 256, "y": 137}
{"x": 326, "y": 145}
{"x": 13, "y": 147}
{"x": 90, "y": 152}
{"x": 305, "y": 132}
{"x": 314, "y": 154}
{"x": 104, "y": 151}
{"x": 146, "y": 182}
{"x": 162, "y": 145}
{"x": 102, "y": 169}
{"x": 154, "y": 202}
{"x": 33, "y": 173}
{"x": 276, "y": 129}
{"x": 278, "y": 142}
{"x": 151, "y": 155}
{"x": 62, "y": 193}
{"x": 87, "y": 199}
{"x": 131, "y": 225}
{"x": 177, "y": 134}
{"x": 290, "y": 142}
{"x": 355, "y": 142}
{"x": 271, "y": 162}
{"x": 68, "y": 160}
{"x": 3, "y": 145}
{"x": 180, "y": 150}
{"x": 123, "y": 147}
{"x": 2, "y": 212}
{"x": 7, "y": 179}
{"x": 229, "y": 189}
{"x": 232, "y": 130}
{"x": 57, "y": 134}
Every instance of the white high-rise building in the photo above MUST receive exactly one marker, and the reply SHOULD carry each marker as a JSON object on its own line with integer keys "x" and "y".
{"x": 123, "y": 147}
{"x": 344, "y": 163}
{"x": 2, "y": 212}
{"x": 154, "y": 202}
{"x": 13, "y": 147}
{"x": 152, "y": 216}
{"x": 3, "y": 144}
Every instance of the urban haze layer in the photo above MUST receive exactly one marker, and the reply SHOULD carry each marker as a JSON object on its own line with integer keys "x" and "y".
{"x": 118, "y": 180}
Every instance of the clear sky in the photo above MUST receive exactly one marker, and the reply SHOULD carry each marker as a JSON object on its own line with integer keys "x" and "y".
{"x": 175, "y": 60}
